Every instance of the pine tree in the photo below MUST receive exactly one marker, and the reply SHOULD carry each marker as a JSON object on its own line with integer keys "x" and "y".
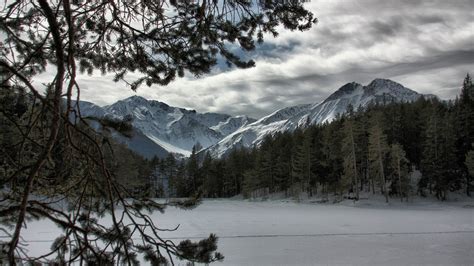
{"x": 439, "y": 164}
{"x": 449, "y": 176}
{"x": 236, "y": 163}
{"x": 322, "y": 162}
{"x": 250, "y": 183}
{"x": 378, "y": 149}
{"x": 429, "y": 164}
{"x": 399, "y": 164}
{"x": 467, "y": 91}
{"x": 413, "y": 124}
{"x": 319, "y": 169}
{"x": 302, "y": 162}
{"x": 470, "y": 162}
{"x": 349, "y": 147}
{"x": 283, "y": 144}
{"x": 192, "y": 169}
{"x": 267, "y": 164}
{"x": 332, "y": 139}
{"x": 206, "y": 173}
{"x": 465, "y": 125}
{"x": 172, "y": 169}
{"x": 180, "y": 182}
{"x": 211, "y": 171}
{"x": 394, "y": 116}
{"x": 361, "y": 122}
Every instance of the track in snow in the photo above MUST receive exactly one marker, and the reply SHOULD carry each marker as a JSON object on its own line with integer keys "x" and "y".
{"x": 308, "y": 235}
{"x": 334, "y": 234}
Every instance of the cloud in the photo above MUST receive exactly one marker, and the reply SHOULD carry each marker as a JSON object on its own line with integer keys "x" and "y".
{"x": 426, "y": 45}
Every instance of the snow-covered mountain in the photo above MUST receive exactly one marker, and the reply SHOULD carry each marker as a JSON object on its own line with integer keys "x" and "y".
{"x": 290, "y": 118}
{"x": 174, "y": 129}
{"x": 161, "y": 129}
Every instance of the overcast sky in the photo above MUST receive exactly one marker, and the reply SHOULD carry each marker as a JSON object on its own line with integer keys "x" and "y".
{"x": 427, "y": 46}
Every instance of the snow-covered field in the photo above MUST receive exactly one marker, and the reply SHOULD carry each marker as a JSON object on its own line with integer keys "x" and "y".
{"x": 288, "y": 233}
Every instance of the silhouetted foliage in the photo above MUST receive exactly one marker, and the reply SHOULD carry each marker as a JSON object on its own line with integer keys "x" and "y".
{"x": 50, "y": 152}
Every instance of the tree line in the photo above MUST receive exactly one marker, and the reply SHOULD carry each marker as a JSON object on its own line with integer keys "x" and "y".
{"x": 377, "y": 149}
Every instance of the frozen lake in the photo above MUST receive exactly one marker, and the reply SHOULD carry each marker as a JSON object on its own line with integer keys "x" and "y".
{"x": 288, "y": 233}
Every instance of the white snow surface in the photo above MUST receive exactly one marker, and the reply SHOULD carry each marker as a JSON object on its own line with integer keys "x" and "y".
{"x": 290, "y": 118}
{"x": 284, "y": 232}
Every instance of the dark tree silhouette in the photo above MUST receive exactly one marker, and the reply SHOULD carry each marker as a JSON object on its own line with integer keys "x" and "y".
{"x": 157, "y": 39}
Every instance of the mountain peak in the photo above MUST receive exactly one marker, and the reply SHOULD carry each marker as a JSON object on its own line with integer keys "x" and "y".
{"x": 174, "y": 129}
{"x": 347, "y": 89}
{"x": 135, "y": 98}
{"x": 383, "y": 80}
{"x": 380, "y": 83}
{"x": 389, "y": 87}
{"x": 136, "y": 101}
{"x": 290, "y": 118}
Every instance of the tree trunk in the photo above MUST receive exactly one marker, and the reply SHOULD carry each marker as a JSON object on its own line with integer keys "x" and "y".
{"x": 372, "y": 184}
{"x": 371, "y": 180}
{"x": 384, "y": 184}
{"x": 399, "y": 178}
{"x": 53, "y": 134}
{"x": 356, "y": 181}
{"x": 409, "y": 186}
{"x": 309, "y": 171}
{"x": 468, "y": 180}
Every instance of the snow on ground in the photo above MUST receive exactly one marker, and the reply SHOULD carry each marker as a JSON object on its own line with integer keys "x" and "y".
{"x": 287, "y": 233}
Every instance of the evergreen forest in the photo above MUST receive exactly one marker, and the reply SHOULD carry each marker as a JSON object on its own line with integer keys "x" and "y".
{"x": 397, "y": 150}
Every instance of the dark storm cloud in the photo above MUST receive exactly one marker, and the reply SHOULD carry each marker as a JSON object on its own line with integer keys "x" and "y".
{"x": 328, "y": 83}
{"x": 425, "y": 45}
{"x": 270, "y": 50}
{"x": 381, "y": 28}
{"x": 445, "y": 60}
{"x": 430, "y": 19}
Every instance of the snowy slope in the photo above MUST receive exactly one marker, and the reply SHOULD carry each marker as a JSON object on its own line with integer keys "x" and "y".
{"x": 253, "y": 134}
{"x": 138, "y": 142}
{"x": 173, "y": 129}
{"x": 290, "y": 118}
{"x": 176, "y": 129}
{"x": 89, "y": 109}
